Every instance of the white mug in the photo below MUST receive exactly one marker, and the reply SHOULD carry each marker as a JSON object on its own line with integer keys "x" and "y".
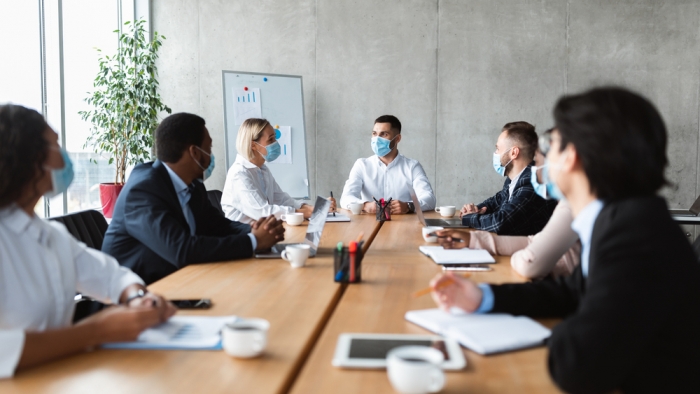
{"x": 293, "y": 219}
{"x": 245, "y": 338}
{"x": 356, "y": 207}
{"x": 296, "y": 254}
{"x": 447, "y": 211}
{"x": 415, "y": 369}
{"x": 430, "y": 229}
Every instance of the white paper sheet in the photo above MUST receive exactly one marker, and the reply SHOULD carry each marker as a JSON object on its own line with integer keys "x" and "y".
{"x": 284, "y": 137}
{"x": 246, "y": 104}
{"x": 339, "y": 217}
{"x": 180, "y": 332}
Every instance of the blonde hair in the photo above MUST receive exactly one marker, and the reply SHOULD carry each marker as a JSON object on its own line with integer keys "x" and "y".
{"x": 250, "y": 130}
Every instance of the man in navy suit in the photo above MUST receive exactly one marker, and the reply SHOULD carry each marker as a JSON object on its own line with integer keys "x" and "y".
{"x": 516, "y": 209}
{"x": 163, "y": 220}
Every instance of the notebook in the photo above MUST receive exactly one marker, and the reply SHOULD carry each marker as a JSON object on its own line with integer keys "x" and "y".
{"x": 339, "y": 217}
{"x": 484, "y": 334}
{"x": 180, "y": 332}
{"x": 457, "y": 256}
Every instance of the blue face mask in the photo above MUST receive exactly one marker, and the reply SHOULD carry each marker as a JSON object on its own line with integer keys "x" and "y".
{"x": 381, "y": 146}
{"x": 500, "y": 169}
{"x": 552, "y": 190}
{"x": 61, "y": 178}
{"x": 212, "y": 164}
{"x": 273, "y": 151}
{"x": 540, "y": 188}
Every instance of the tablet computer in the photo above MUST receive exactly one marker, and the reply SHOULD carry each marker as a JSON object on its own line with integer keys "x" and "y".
{"x": 368, "y": 351}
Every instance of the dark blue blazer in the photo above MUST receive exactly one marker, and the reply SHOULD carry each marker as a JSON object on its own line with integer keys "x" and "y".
{"x": 149, "y": 233}
{"x": 525, "y": 213}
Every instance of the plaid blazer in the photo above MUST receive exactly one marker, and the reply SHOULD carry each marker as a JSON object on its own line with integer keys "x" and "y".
{"x": 525, "y": 213}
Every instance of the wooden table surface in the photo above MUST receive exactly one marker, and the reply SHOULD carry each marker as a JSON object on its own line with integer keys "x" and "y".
{"x": 297, "y": 302}
{"x": 307, "y": 312}
{"x": 392, "y": 270}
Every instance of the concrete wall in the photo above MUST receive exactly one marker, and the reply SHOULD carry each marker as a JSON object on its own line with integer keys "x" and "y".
{"x": 453, "y": 71}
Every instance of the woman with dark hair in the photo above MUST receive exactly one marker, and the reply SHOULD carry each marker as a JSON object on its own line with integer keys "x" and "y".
{"x": 42, "y": 266}
{"x": 631, "y": 309}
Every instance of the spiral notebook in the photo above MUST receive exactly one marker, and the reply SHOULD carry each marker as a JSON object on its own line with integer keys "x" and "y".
{"x": 483, "y": 333}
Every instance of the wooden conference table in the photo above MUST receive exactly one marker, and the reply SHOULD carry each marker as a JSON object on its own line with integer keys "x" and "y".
{"x": 307, "y": 311}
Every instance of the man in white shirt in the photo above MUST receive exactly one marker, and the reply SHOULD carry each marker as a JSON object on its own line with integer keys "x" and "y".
{"x": 387, "y": 174}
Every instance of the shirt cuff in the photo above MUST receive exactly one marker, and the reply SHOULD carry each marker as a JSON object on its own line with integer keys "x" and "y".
{"x": 11, "y": 345}
{"x": 487, "y": 299}
{"x": 253, "y": 241}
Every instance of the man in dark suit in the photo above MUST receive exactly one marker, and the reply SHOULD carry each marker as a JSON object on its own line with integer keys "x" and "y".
{"x": 516, "y": 209}
{"x": 632, "y": 308}
{"x": 163, "y": 220}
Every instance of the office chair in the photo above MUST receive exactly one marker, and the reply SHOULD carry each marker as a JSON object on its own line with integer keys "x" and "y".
{"x": 215, "y": 199}
{"x": 88, "y": 227}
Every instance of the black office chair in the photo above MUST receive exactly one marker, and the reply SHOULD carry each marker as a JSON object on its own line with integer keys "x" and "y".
{"x": 88, "y": 227}
{"x": 215, "y": 199}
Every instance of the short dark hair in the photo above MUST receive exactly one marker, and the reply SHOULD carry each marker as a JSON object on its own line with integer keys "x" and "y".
{"x": 23, "y": 150}
{"x": 620, "y": 138}
{"x": 393, "y": 120}
{"x": 525, "y": 137}
{"x": 176, "y": 133}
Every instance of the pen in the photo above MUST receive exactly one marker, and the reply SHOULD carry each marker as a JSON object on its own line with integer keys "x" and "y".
{"x": 359, "y": 237}
{"x": 332, "y": 197}
{"x": 442, "y": 285}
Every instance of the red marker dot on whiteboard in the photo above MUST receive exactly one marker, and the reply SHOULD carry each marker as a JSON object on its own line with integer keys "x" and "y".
{"x": 245, "y": 88}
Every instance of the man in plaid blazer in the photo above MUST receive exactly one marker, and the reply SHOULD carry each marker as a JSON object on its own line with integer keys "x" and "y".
{"x": 516, "y": 209}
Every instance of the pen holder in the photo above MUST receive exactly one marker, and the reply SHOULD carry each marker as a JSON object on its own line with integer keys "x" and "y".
{"x": 347, "y": 266}
{"x": 383, "y": 213}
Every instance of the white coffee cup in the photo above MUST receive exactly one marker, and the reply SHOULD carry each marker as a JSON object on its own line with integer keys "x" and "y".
{"x": 431, "y": 229}
{"x": 296, "y": 254}
{"x": 356, "y": 207}
{"x": 245, "y": 338}
{"x": 293, "y": 219}
{"x": 415, "y": 369}
{"x": 447, "y": 211}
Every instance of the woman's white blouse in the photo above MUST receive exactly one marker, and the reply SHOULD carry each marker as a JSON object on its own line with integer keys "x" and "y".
{"x": 41, "y": 268}
{"x": 251, "y": 192}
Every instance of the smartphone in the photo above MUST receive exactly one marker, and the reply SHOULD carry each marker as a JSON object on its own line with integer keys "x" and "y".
{"x": 204, "y": 303}
{"x": 467, "y": 267}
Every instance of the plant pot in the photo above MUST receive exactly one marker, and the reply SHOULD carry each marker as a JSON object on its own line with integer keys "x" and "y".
{"x": 108, "y": 197}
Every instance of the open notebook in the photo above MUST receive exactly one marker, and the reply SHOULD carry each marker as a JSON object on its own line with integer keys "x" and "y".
{"x": 457, "y": 256}
{"x": 484, "y": 334}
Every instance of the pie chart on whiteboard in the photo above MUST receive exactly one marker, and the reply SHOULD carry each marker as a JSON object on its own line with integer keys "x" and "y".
{"x": 284, "y": 137}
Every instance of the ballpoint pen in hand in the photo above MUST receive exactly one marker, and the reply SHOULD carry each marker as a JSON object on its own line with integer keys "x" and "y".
{"x": 332, "y": 197}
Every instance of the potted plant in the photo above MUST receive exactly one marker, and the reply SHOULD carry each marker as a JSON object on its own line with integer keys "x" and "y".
{"x": 125, "y": 106}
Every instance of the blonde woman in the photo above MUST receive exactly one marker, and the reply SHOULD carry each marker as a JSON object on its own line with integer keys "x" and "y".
{"x": 250, "y": 191}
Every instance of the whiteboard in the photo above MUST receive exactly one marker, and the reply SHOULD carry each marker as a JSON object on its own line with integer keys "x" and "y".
{"x": 282, "y": 100}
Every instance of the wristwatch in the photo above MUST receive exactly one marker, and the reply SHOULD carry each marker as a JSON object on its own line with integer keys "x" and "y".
{"x": 411, "y": 207}
{"x": 138, "y": 294}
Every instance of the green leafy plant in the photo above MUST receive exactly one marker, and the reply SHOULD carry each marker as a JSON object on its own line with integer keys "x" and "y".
{"x": 126, "y": 103}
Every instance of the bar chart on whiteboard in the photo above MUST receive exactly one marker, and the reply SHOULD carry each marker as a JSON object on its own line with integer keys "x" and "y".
{"x": 247, "y": 104}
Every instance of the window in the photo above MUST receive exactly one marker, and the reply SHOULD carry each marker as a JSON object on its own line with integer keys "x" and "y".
{"x": 54, "y": 63}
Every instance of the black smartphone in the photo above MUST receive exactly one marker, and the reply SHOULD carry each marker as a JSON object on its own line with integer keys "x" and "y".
{"x": 204, "y": 303}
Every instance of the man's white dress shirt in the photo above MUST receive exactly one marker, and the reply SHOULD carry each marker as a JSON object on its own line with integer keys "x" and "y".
{"x": 251, "y": 192}
{"x": 370, "y": 177}
{"x": 41, "y": 268}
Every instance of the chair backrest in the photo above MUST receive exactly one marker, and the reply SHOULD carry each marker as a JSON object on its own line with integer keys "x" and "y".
{"x": 215, "y": 199}
{"x": 87, "y": 226}
{"x": 696, "y": 248}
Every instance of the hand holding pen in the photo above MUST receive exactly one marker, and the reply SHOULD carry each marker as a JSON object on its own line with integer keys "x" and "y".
{"x": 459, "y": 292}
